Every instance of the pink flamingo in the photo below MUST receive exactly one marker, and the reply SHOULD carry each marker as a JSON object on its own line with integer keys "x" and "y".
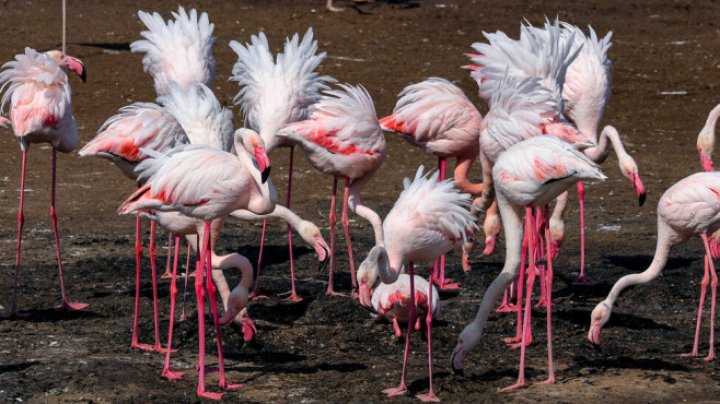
{"x": 37, "y": 89}
{"x": 342, "y": 138}
{"x": 206, "y": 184}
{"x": 392, "y": 301}
{"x": 436, "y": 116}
{"x": 706, "y": 140}
{"x": 275, "y": 93}
{"x": 429, "y": 219}
{"x": 529, "y": 174}
{"x": 689, "y": 208}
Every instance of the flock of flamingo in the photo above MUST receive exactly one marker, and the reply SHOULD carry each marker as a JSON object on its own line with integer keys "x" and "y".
{"x": 545, "y": 91}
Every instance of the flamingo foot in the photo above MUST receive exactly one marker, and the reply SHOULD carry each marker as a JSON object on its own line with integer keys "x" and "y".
{"x": 210, "y": 396}
{"x": 160, "y": 349}
{"x": 255, "y": 295}
{"x": 396, "y": 391}
{"x": 142, "y": 347}
{"x": 230, "y": 386}
{"x": 333, "y": 293}
{"x": 710, "y": 357}
{"x": 447, "y": 285}
{"x": 430, "y": 397}
{"x": 294, "y": 298}
{"x": 506, "y": 308}
{"x": 528, "y": 342}
{"x": 549, "y": 380}
{"x": 190, "y": 275}
{"x": 518, "y": 385}
{"x": 542, "y": 302}
{"x": 585, "y": 281}
{"x": 170, "y": 375}
{"x": 72, "y": 306}
{"x": 166, "y": 275}
{"x": 692, "y": 354}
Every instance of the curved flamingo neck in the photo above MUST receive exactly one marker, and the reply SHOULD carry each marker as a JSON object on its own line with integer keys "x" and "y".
{"x": 462, "y": 175}
{"x": 609, "y": 139}
{"x": 363, "y": 211}
{"x": 706, "y": 139}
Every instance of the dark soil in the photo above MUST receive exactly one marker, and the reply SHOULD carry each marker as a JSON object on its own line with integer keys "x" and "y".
{"x": 329, "y": 349}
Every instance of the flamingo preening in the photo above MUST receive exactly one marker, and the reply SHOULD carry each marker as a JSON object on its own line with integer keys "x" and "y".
{"x": 38, "y": 92}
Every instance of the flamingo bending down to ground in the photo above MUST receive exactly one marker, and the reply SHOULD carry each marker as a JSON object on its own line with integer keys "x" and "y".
{"x": 122, "y": 139}
{"x": 275, "y": 93}
{"x": 531, "y": 173}
{"x": 206, "y": 184}
{"x": 429, "y": 219}
{"x": 392, "y": 301}
{"x": 342, "y": 138}
{"x": 689, "y": 208}
{"x": 37, "y": 89}
{"x": 436, "y": 116}
{"x": 706, "y": 139}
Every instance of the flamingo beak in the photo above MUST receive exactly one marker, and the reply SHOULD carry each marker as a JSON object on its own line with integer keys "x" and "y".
{"x": 457, "y": 360}
{"x": 490, "y": 245}
{"x": 321, "y": 248}
{"x": 263, "y": 162}
{"x": 639, "y": 188}
{"x": 594, "y": 333}
{"x": 228, "y": 316}
{"x": 365, "y": 294}
{"x": 76, "y": 66}
{"x": 706, "y": 161}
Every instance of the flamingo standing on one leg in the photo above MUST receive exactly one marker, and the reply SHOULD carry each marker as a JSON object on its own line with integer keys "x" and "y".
{"x": 429, "y": 219}
{"x": 436, "y": 116}
{"x": 206, "y": 184}
{"x": 689, "y": 208}
{"x": 275, "y": 93}
{"x": 37, "y": 89}
{"x": 531, "y": 173}
{"x": 342, "y": 138}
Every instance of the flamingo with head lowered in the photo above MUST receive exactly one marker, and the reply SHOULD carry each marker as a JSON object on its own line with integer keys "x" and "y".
{"x": 37, "y": 90}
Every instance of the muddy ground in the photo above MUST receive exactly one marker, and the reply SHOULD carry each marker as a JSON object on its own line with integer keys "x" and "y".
{"x": 328, "y": 349}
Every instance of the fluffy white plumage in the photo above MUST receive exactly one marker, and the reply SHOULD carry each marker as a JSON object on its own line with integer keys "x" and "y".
{"x": 178, "y": 50}
{"x": 692, "y": 205}
{"x": 537, "y": 170}
{"x": 274, "y": 93}
{"x": 433, "y": 113}
{"x": 200, "y": 114}
{"x": 39, "y": 95}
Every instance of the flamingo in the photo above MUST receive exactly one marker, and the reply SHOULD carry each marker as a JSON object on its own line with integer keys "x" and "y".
{"x": 37, "y": 89}
{"x": 342, "y": 138}
{"x": 706, "y": 139}
{"x": 206, "y": 184}
{"x": 436, "y": 116}
{"x": 528, "y": 174}
{"x": 275, "y": 93}
{"x": 392, "y": 301}
{"x": 429, "y": 218}
{"x": 691, "y": 207}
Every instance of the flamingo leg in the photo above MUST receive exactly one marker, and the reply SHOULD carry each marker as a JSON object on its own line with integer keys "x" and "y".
{"x": 439, "y": 270}
{"x": 583, "y": 279}
{"x": 66, "y": 304}
{"x": 212, "y": 297}
{"x": 703, "y": 291}
{"x": 200, "y": 293}
{"x": 528, "y": 301}
{"x": 402, "y": 388}
{"x": 167, "y": 373}
{"x": 333, "y": 221}
{"x": 153, "y": 269}
{"x": 167, "y": 274}
{"x": 293, "y": 294}
{"x": 255, "y": 294}
{"x": 713, "y": 295}
{"x": 187, "y": 275}
{"x": 20, "y": 223}
{"x": 504, "y": 305}
{"x": 519, "y": 293}
{"x": 348, "y": 240}
{"x": 548, "y": 294}
{"x": 540, "y": 225}
{"x": 138, "y": 264}
{"x": 430, "y": 395}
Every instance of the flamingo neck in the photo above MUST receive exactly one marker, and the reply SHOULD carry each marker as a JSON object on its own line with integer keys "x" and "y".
{"x": 462, "y": 174}
{"x": 363, "y": 211}
{"x": 609, "y": 139}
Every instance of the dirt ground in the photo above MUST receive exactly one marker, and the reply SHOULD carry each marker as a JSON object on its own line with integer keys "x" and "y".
{"x": 329, "y": 349}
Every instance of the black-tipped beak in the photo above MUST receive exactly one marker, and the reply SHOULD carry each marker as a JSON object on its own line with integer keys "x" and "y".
{"x": 457, "y": 371}
{"x": 265, "y": 175}
{"x": 641, "y": 198}
{"x": 83, "y": 75}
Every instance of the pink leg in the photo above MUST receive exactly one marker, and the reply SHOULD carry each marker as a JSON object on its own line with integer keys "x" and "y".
{"x": 167, "y": 373}
{"x": 348, "y": 241}
{"x": 138, "y": 264}
{"x": 396, "y": 328}
{"x": 528, "y": 303}
{"x": 66, "y": 304}
{"x": 293, "y": 294}
{"x": 440, "y": 280}
{"x": 402, "y": 388}
{"x": 504, "y": 306}
{"x": 167, "y": 274}
{"x": 430, "y": 395}
{"x": 519, "y": 283}
{"x": 333, "y": 222}
{"x": 212, "y": 296}
{"x": 548, "y": 307}
{"x": 20, "y": 223}
{"x": 187, "y": 275}
{"x": 153, "y": 269}
{"x": 583, "y": 279}
{"x": 255, "y": 294}
{"x": 540, "y": 232}
{"x": 200, "y": 293}
{"x": 703, "y": 291}
{"x": 713, "y": 295}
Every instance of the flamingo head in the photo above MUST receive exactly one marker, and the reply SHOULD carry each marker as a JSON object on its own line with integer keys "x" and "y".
{"x": 68, "y": 62}
{"x": 236, "y": 302}
{"x": 457, "y": 360}
{"x": 311, "y": 234}
{"x": 368, "y": 279}
{"x": 600, "y": 315}
{"x": 705, "y": 146}
{"x": 254, "y": 144}
{"x": 630, "y": 170}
